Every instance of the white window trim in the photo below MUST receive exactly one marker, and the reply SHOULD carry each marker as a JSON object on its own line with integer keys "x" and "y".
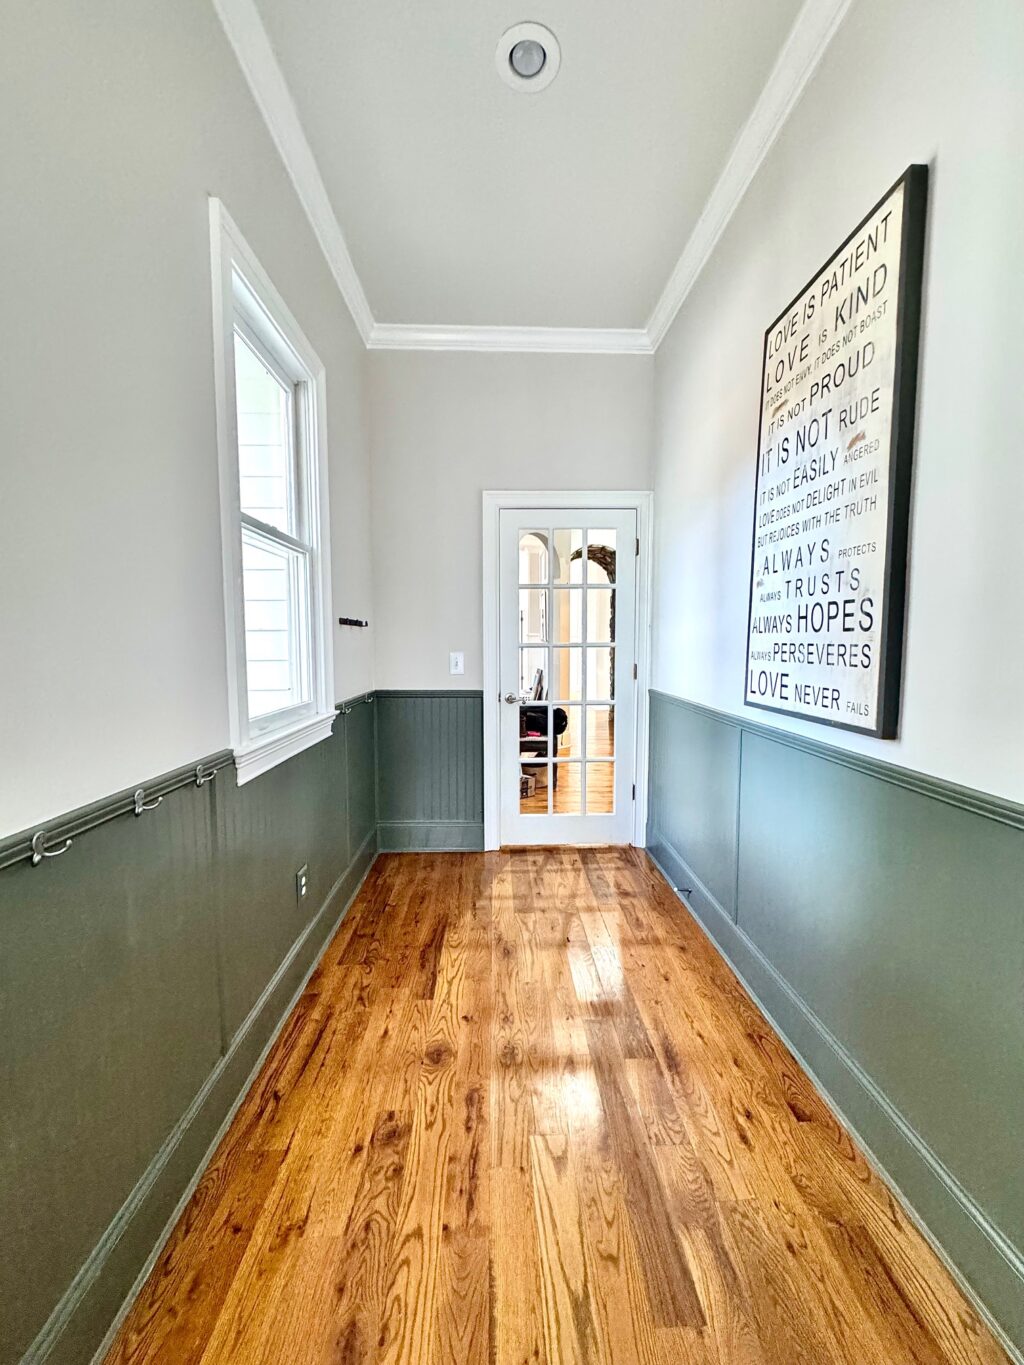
{"x": 257, "y": 751}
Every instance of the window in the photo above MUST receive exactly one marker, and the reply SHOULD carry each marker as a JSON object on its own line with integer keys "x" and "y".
{"x": 270, "y": 417}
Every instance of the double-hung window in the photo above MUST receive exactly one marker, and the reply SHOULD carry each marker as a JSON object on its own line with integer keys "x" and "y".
{"x": 270, "y": 390}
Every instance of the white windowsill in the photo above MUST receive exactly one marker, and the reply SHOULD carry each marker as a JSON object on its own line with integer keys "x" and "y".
{"x": 264, "y": 753}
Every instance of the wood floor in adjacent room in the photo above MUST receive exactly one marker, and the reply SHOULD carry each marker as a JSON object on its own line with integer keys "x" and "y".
{"x": 523, "y": 1114}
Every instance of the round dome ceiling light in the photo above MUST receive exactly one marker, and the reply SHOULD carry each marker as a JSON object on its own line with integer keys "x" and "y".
{"x": 528, "y": 57}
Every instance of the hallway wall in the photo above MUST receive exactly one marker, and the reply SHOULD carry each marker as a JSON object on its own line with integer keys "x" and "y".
{"x": 129, "y": 115}
{"x": 447, "y": 425}
{"x": 142, "y": 973}
{"x": 899, "y": 83}
{"x": 876, "y": 912}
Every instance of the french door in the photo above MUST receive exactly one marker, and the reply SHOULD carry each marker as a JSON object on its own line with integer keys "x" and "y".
{"x": 566, "y": 639}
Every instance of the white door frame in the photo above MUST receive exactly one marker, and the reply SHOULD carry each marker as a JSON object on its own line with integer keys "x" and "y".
{"x": 493, "y": 504}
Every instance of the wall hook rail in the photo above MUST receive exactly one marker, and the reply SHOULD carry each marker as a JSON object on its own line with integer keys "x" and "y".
{"x": 31, "y": 844}
{"x": 141, "y": 804}
{"x": 346, "y": 708}
{"x": 40, "y": 851}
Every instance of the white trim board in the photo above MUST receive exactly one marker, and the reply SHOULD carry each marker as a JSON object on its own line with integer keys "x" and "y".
{"x": 642, "y": 502}
{"x": 812, "y": 31}
{"x": 810, "y": 35}
{"x": 400, "y": 336}
{"x": 255, "y": 750}
{"x": 248, "y": 38}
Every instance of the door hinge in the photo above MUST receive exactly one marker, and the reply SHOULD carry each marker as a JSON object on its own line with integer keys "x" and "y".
{"x": 638, "y": 547}
{"x": 634, "y": 673}
{"x": 634, "y": 791}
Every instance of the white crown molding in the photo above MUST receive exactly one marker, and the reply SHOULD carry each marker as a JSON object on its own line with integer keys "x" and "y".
{"x": 810, "y": 35}
{"x": 248, "y": 37}
{"x": 400, "y": 336}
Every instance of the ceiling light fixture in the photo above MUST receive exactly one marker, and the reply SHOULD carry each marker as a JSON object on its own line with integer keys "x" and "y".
{"x": 528, "y": 57}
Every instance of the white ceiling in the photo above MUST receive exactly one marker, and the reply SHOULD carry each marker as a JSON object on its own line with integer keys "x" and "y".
{"x": 465, "y": 202}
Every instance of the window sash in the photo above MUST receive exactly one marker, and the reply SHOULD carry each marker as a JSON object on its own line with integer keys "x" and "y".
{"x": 298, "y": 510}
{"x": 303, "y": 597}
{"x": 265, "y": 529}
{"x": 299, "y": 563}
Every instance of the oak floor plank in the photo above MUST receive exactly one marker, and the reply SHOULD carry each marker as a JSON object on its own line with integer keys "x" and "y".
{"x": 511, "y": 1087}
{"x": 621, "y": 1305}
{"x": 353, "y": 1295}
{"x": 464, "y": 1319}
{"x": 410, "y": 1317}
{"x": 516, "y": 1301}
{"x": 670, "y": 1287}
{"x": 567, "y": 1290}
{"x": 174, "y": 1314}
{"x": 523, "y": 1113}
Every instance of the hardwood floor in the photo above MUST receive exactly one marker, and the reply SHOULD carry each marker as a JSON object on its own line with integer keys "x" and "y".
{"x": 524, "y": 1114}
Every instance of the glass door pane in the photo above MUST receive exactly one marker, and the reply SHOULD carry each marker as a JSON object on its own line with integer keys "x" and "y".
{"x": 533, "y": 633}
{"x": 563, "y": 616}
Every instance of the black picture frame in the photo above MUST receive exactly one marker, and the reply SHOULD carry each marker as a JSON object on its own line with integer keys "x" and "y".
{"x": 914, "y": 181}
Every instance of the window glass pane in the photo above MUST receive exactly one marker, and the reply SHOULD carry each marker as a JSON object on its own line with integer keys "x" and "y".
{"x": 600, "y": 731}
{"x": 600, "y": 682}
{"x": 266, "y": 455}
{"x": 566, "y": 788}
{"x": 568, "y": 626}
{"x": 275, "y": 592}
{"x": 568, "y": 728}
{"x": 533, "y": 730}
{"x": 533, "y": 557}
{"x": 533, "y": 789}
{"x": 533, "y": 615}
{"x": 600, "y": 556}
{"x": 533, "y": 673}
{"x": 600, "y": 788}
{"x": 566, "y": 675}
{"x": 568, "y": 566}
{"x": 600, "y": 615}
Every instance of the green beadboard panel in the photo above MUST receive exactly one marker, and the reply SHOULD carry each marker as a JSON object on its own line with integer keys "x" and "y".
{"x": 900, "y": 921}
{"x": 879, "y": 920}
{"x": 294, "y": 815}
{"x": 361, "y": 760}
{"x": 430, "y": 769}
{"x": 427, "y": 836}
{"x": 694, "y": 776}
{"x": 110, "y": 1022}
{"x": 142, "y": 975}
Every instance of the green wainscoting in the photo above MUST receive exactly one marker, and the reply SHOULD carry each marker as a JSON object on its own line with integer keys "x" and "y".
{"x": 430, "y": 770}
{"x": 142, "y": 976}
{"x": 878, "y": 917}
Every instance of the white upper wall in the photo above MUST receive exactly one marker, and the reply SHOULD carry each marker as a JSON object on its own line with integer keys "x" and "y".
{"x": 900, "y": 83}
{"x": 445, "y": 426}
{"x": 119, "y": 120}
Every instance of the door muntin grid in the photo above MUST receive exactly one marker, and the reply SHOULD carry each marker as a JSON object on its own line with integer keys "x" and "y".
{"x": 566, "y": 647}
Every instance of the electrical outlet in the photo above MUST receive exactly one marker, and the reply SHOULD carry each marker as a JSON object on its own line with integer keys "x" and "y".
{"x": 302, "y": 883}
{"x": 456, "y": 662}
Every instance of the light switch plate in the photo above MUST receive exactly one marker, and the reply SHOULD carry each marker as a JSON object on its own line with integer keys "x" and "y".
{"x": 456, "y": 662}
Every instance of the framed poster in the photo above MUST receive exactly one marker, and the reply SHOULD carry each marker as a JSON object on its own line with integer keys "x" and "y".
{"x": 832, "y": 494}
